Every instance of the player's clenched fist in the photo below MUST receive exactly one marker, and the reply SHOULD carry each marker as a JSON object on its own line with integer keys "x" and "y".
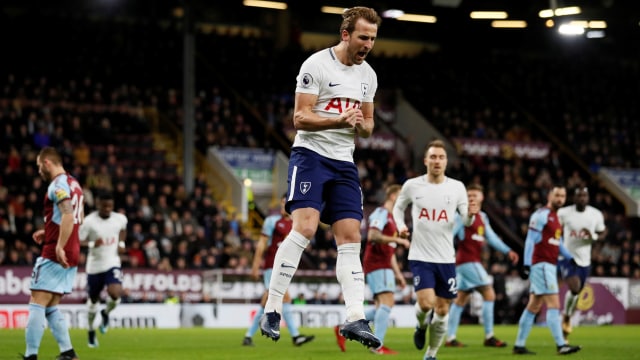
{"x": 351, "y": 118}
{"x": 38, "y": 236}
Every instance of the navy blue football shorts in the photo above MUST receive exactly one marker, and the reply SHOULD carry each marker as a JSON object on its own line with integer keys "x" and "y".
{"x": 330, "y": 186}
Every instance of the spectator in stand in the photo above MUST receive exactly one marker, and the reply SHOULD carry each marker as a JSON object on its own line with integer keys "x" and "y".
{"x": 42, "y": 138}
{"x": 3, "y": 250}
{"x": 135, "y": 255}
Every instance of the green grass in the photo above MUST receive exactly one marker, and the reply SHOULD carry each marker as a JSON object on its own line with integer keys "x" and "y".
{"x": 607, "y": 342}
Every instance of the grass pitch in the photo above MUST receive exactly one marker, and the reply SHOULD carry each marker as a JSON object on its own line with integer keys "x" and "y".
{"x": 606, "y": 342}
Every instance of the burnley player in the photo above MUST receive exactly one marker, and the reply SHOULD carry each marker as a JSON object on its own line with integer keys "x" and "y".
{"x": 55, "y": 269}
{"x": 381, "y": 266}
{"x": 103, "y": 232}
{"x": 435, "y": 199}
{"x": 471, "y": 275}
{"x": 541, "y": 249}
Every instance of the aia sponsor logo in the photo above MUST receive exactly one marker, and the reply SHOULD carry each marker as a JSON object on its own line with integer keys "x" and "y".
{"x": 433, "y": 215}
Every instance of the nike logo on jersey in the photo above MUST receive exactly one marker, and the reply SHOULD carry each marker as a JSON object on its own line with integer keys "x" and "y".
{"x": 287, "y": 266}
{"x": 356, "y": 272}
{"x": 333, "y": 84}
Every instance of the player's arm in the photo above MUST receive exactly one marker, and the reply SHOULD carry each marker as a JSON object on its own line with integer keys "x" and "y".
{"x": 402, "y": 282}
{"x": 66, "y": 228}
{"x": 458, "y": 229}
{"x": 601, "y": 229}
{"x": 304, "y": 118}
{"x": 122, "y": 237}
{"x": 494, "y": 241}
{"x": 601, "y": 235}
{"x": 365, "y": 127}
{"x": 533, "y": 237}
{"x": 398, "y": 212}
{"x": 376, "y": 236}
{"x": 467, "y": 209}
{"x": 593, "y": 237}
{"x": 564, "y": 251}
{"x": 261, "y": 246}
{"x": 83, "y": 234}
{"x": 38, "y": 236}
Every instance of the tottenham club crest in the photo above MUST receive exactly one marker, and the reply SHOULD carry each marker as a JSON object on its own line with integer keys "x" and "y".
{"x": 365, "y": 88}
{"x": 305, "y": 186}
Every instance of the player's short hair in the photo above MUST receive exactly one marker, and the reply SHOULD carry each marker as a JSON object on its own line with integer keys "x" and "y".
{"x": 580, "y": 188}
{"x": 105, "y": 195}
{"x": 350, "y": 17}
{"x": 392, "y": 189}
{"x": 554, "y": 186}
{"x": 475, "y": 186}
{"x": 437, "y": 143}
{"x": 50, "y": 154}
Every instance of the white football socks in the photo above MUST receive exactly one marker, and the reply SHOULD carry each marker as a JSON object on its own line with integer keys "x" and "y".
{"x": 570, "y": 302}
{"x": 351, "y": 278}
{"x": 437, "y": 331}
{"x": 285, "y": 265}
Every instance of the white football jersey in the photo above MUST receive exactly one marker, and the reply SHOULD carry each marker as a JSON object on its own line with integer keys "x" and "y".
{"x": 433, "y": 215}
{"x": 105, "y": 256}
{"x": 575, "y": 240}
{"x": 338, "y": 88}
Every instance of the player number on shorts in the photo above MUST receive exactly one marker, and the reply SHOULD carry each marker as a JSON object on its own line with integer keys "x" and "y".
{"x": 453, "y": 287}
{"x": 117, "y": 274}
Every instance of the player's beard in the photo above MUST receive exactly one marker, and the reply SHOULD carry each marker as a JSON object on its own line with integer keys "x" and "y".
{"x": 46, "y": 175}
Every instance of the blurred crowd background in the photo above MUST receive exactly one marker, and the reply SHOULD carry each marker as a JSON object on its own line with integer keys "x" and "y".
{"x": 97, "y": 88}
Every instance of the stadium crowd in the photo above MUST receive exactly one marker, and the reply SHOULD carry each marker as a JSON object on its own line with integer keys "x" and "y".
{"x": 99, "y": 124}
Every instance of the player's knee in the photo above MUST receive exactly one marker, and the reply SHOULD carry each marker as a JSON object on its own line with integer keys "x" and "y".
{"x": 462, "y": 302}
{"x": 442, "y": 309}
{"x": 426, "y": 305}
{"x": 93, "y": 306}
{"x": 575, "y": 287}
{"x": 489, "y": 295}
{"x": 114, "y": 294}
{"x": 386, "y": 299}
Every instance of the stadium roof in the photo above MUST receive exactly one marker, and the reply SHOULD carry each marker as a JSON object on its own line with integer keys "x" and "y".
{"x": 621, "y": 18}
